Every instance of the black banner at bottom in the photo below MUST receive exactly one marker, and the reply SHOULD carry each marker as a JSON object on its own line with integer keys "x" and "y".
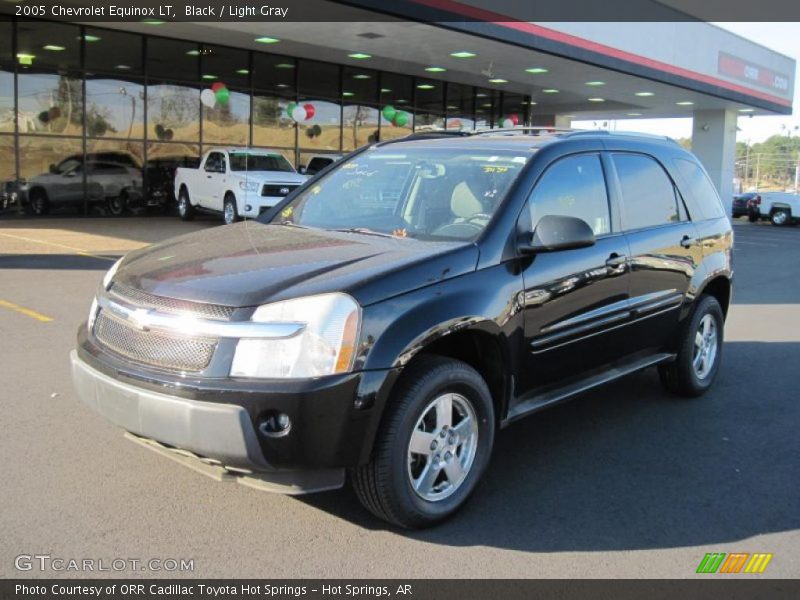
{"x": 731, "y": 588}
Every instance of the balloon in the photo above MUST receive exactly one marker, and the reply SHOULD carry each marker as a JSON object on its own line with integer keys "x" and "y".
{"x": 290, "y": 107}
{"x": 168, "y": 134}
{"x": 160, "y": 131}
{"x": 54, "y": 112}
{"x": 401, "y": 119}
{"x": 44, "y": 116}
{"x": 299, "y": 114}
{"x": 515, "y": 118}
{"x": 208, "y": 98}
{"x": 310, "y": 110}
{"x": 389, "y": 112}
{"x": 507, "y": 123}
{"x": 223, "y": 94}
{"x": 217, "y": 85}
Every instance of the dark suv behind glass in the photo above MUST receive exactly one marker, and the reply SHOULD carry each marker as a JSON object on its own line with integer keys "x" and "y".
{"x": 391, "y": 315}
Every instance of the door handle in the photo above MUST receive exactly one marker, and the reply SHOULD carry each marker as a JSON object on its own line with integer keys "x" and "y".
{"x": 615, "y": 263}
{"x": 208, "y": 176}
{"x": 687, "y": 241}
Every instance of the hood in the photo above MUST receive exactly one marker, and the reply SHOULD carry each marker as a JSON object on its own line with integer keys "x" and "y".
{"x": 249, "y": 263}
{"x": 271, "y": 176}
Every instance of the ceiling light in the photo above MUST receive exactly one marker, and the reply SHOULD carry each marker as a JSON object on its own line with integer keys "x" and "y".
{"x": 644, "y": 94}
{"x": 536, "y": 70}
{"x": 243, "y": 72}
{"x": 348, "y": 94}
{"x": 152, "y": 22}
{"x": 596, "y": 99}
{"x": 265, "y": 39}
{"x": 463, "y": 54}
{"x": 550, "y": 91}
{"x": 361, "y": 76}
{"x": 425, "y": 86}
{"x": 487, "y": 105}
{"x": 402, "y": 101}
{"x": 284, "y": 66}
{"x": 684, "y": 103}
{"x": 568, "y": 116}
{"x": 480, "y": 95}
{"x": 451, "y": 107}
{"x": 595, "y": 83}
{"x": 25, "y": 59}
{"x": 435, "y": 69}
{"x": 90, "y": 38}
{"x": 747, "y": 110}
{"x": 193, "y": 53}
{"x": 207, "y": 76}
{"x": 498, "y": 80}
{"x": 281, "y": 85}
{"x": 53, "y": 48}
{"x": 385, "y": 90}
{"x": 123, "y": 67}
{"x": 531, "y": 103}
{"x": 359, "y": 55}
{"x": 634, "y": 114}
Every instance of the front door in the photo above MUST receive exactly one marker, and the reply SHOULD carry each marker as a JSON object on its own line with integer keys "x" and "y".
{"x": 211, "y": 194}
{"x": 575, "y": 301}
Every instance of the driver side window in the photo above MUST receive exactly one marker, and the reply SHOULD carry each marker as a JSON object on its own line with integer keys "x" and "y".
{"x": 573, "y": 187}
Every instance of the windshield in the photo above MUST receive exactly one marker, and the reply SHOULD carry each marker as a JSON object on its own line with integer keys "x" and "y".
{"x": 424, "y": 193}
{"x": 242, "y": 161}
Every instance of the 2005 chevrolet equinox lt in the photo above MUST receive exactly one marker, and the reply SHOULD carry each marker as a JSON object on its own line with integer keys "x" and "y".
{"x": 389, "y": 316}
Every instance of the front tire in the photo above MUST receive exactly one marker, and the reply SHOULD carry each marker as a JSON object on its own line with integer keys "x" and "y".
{"x": 229, "y": 210}
{"x": 699, "y": 353}
{"x": 433, "y": 445}
{"x": 118, "y": 204}
{"x": 185, "y": 208}
{"x": 781, "y": 217}
{"x": 38, "y": 202}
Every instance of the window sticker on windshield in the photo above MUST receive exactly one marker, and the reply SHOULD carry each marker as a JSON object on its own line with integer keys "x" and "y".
{"x": 316, "y": 189}
{"x": 351, "y": 165}
{"x": 287, "y": 212}
{"x": 495, "y": 169}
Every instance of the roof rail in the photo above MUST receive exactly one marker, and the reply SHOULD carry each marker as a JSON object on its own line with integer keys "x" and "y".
{"x": 534, "y": 129}
{"x": 650, "y": 136}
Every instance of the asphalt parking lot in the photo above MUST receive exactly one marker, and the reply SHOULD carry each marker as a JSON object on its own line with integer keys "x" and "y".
{"x": 622, "y": 482}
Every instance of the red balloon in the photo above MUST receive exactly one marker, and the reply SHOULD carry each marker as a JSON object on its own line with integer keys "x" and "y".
{"x": 514, "y": 118}
{"x": 216, "y": 86}
{"x": 310, "y": 110}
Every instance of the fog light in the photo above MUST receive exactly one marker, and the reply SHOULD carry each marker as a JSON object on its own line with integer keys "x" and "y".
{"x": 248, "y": 208}
{"x": 275, "y": 425}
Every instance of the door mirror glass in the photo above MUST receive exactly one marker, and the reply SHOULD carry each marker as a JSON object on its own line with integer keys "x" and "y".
{"x": 301, "y": 169}
{"x": 558, "y": 232}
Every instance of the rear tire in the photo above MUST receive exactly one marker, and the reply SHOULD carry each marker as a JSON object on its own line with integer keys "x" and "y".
{"x": 781, "y": 217}
{"x": 229, "y": 211}
{"x": 432, "y": 447}
{"x": 117, "y": 205}
{"x": 38, "y": 202}
{"x": 752, "y": 217}
{"x": 699, "y": 353}
{"x": 185, "y": 208}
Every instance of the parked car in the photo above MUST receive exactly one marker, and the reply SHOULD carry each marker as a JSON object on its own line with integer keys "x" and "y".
{"x": 393, "y": 337}
{"x": 746, "y": 205}
{"x": 780, "y": 208}
{"x": 160, "y": 174}
{"x": 235, "y": 182}
{"x": 110, "y": 178}
{"x": 318, "y": 162}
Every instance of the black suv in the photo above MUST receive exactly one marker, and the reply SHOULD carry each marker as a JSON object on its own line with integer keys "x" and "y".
{"x": 391, "y": 315}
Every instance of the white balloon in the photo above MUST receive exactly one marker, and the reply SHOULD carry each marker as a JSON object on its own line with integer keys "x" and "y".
{"x": 209, "y": 98}
{"x": 299, "y": 114}
{"x": 508, "y": 123}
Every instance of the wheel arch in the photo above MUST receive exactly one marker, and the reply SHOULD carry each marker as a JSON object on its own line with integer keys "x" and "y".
{"x": 720, "y": 288}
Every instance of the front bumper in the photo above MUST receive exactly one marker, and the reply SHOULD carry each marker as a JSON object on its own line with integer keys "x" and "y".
{"x": 257, "y": 203}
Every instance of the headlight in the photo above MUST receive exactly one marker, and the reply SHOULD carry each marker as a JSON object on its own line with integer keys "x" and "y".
{"x": 326, "y": 344}
{"x": 92, "y": 314}
{"x": 248, "y": 186}
{"x": 110, "y": 274}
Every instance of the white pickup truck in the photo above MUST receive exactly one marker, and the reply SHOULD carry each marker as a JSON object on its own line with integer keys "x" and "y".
{"x": 236, "y": 182}
{"x": 779, "y": 207}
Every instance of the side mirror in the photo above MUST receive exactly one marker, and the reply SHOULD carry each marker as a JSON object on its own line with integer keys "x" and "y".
{"x": 557, "y": 232}
{"x": 301, "y": 169}
{"x": 53, "y": 169}
{"x": 70, "y": 174}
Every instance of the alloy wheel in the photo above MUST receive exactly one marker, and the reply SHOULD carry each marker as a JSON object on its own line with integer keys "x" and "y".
{"x": 706, "y": 344}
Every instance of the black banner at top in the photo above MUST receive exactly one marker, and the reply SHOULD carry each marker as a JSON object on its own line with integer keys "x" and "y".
{"x": 110, "y": 11}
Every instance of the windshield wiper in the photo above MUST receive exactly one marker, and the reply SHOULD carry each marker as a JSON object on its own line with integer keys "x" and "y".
{"x": 290, "y": 224}
{"x": 365, "y": 231}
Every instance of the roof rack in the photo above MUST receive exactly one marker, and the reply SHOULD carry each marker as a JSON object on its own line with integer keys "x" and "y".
{"x": 534, "y": 129}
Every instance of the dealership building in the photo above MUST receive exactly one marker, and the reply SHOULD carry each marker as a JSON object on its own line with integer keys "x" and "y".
{"x": 99, "y": 93}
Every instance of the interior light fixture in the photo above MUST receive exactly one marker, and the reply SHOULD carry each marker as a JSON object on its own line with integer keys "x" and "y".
{"x": 463, "y": 54}
{"x": 359, "y": 55}
{"x": 498, "y": 80}
{"x": 265, "y": 39}
{"x": 435, "y": 69}
{"x": 53, "y": 48}
{"x": 536, "y": 70}
{"x": 595, "y": 83}
{"x": 644, "y": 94}
{"x": 549, "y": 91}
{"x": 596, "y": 99}
{"x": 684, "y": 103}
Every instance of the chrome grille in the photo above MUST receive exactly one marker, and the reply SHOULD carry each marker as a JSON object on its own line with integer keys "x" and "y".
{"x": 172, "y": 305}
{"x": 278, "y": 189}
{"x": 152, "y": 348}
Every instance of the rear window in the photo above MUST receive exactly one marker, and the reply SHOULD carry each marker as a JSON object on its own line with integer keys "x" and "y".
{"x": 242, "y": 161}
{"x": 704, "y": 195}
{"x": 317, "y": 164}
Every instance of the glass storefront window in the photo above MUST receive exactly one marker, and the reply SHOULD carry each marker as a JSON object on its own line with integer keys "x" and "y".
{"x": 52, "y": 170}
{"x": 228, "y": 122}
{"x": 484, "y": 106}
{"x": 114, "y": 108}
{"x": 360, "y": 126}
{"x": 173, "y": 59}
{"x": 429, "y": 96}
{"x": 6, "y": 100}
{"x": 114, "y": 173}
{"x": 9, "y": 189}
{"x": 225, "y": 65}
{"x": 5, "y": 40}
{"x": 50, "y": 103}
{"x": 47, "y": 44}
{"x": 396, "y": 122}
{"x": 428, "y": 122}
{"x": 318, "y": 79}
{"x": 113, "y": 51}
{"x": 159, "y": 170}
{"x": 273, "y": 73}
{"x": 272, "y": 126}
{"x": 514, "y": 108}
{"x": 460, "y": 107}
{"x": 360, "y": 85}
{"x": 173, "y": 112}
{"x": 322, "y": 131}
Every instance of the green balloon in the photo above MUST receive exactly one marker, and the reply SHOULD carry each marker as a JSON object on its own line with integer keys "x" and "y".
{"x": 290, "y": 108}
{"x": 401, "y": 119}
{"x": 223, "y": 94}
{"x": 389, "y": 112}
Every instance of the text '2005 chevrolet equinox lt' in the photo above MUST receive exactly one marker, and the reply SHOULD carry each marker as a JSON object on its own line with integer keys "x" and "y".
{"x": 389, "y": 316}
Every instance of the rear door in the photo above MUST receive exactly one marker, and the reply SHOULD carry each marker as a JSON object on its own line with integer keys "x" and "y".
{"x": 212, "y": 181}
{"x": 575, "y": 301}
{"x": 664, "y": 251}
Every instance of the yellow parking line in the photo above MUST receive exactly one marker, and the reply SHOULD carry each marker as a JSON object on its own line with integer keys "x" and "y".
{"x": 56, "y": 245}
{"x": 25, "y": 311}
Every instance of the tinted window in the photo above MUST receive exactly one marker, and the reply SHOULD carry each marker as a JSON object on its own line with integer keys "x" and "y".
{"x": 647, "y": 192}
{"x": 241, "y": 161}
{"x": 215, "y": 163}
{"x": 317, "y": 164}
{"x": 573, "y": 187}
{"x": 703, "y": 191}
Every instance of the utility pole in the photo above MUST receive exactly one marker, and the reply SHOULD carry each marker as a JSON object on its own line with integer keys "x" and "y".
{"x": 797, "y": 174}
{"x": 758, "y": 168}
